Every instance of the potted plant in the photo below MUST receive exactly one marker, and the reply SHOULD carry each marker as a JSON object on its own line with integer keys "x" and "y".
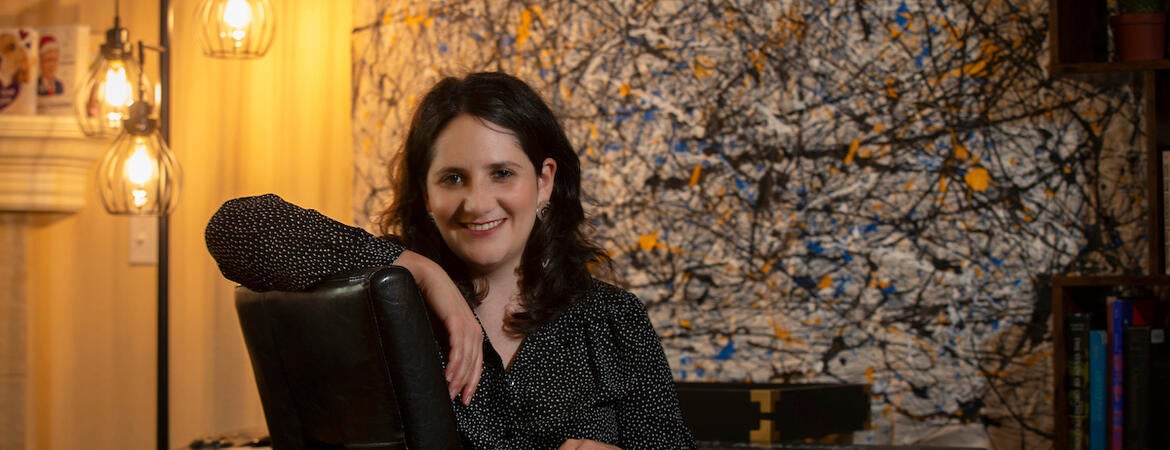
{"x": 1139, "y": 31}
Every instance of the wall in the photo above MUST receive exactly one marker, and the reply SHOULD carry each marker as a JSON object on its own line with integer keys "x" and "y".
{"x": 239, "y": 128}
{"x": 802, "y": 191}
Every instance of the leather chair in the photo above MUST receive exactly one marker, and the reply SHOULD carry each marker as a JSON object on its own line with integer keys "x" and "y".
{"x": 351, "y": 363}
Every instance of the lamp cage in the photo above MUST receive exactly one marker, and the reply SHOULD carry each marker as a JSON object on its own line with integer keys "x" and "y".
{"x": 109, "y": 88}
{"x": 236, "y": 29}
{"x": 139, "y": 175}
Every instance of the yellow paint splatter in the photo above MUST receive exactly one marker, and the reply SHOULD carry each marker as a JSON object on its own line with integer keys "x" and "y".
{"x": 624, "y": 90}
{"x": 869, "y": 374}
{"x": 757, "y": 59}
{"x": 891, "y": 92}
{"x": 419, "y": 21}
{"x": 978, "y": 178}
{"x": 852, "y": 151}
{"x": 695, "y": 174}
{"x": 826, "y": 282}
{"x": 524, "y": 30}
{"x": 702, "y": 67}
{"x": 960, "y": 150}
{"x": 648, "y": 241}
{"x": 684, "y": 323}
{"x": 780, "y": 332}
{"x": 767, "y": 267}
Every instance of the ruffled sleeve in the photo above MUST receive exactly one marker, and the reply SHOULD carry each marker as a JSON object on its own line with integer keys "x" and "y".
{"x": 266, "y": 243}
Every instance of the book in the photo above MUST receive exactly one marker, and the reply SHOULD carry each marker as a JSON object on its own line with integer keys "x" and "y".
{"x": 1098, "y": 432}
{"x": 1077, "y": 391}
{"x": 1137, "y": 386}
{"x": 63, "y": 55}
{"x": 1159, "y": 418}
{"x": 18, "y": 70}
{"x": 1156, "y": 420}
{"x": 1119, "y": 315}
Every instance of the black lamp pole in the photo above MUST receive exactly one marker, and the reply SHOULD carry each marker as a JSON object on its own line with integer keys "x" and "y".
{"x": 163, "y": 384}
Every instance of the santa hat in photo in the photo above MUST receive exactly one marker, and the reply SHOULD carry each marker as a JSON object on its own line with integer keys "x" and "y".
{"x": 49, "y": 43}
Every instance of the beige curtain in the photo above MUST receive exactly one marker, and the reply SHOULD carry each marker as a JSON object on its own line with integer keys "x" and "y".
{"x": 279, "y": 124}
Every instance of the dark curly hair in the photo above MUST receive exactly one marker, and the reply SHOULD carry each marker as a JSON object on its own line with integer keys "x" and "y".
{"x": 557, "y": 259}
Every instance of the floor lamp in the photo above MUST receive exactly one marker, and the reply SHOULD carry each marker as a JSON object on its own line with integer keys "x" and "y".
{"x": 138, "y": 174}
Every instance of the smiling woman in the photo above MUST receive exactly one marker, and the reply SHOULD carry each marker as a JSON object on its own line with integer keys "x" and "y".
{"x": 483, "y": 194}
{"x": 488, "y": 200}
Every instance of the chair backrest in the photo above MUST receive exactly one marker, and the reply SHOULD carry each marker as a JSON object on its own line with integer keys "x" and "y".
{"x": 351, "y": 363}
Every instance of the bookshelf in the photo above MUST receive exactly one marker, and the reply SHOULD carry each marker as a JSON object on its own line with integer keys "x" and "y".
{"x": 1087, "y": 294}
{"x": 1079, "y": 38}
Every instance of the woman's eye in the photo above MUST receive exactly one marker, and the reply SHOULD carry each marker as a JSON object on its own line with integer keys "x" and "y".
{"x": 450, "y": 179}
{"x": 502, "y": 173}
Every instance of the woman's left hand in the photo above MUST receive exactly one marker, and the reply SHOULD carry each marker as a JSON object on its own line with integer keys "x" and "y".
{"x": 585, "y": 444}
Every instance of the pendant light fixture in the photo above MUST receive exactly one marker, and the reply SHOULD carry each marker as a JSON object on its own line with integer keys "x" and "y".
{"x": 139, "y": 174}
{"x": 236, "y": 29}
{"x": 105, "y": 94}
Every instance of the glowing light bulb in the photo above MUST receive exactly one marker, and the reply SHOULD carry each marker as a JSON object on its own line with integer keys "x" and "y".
{"x": 118, "y": 93}
{"x": 237, "y": 14}
{"x": 139, "y": 197}
{"x": 140, "y": 166}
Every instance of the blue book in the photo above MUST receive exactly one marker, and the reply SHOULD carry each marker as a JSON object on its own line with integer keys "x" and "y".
{"x": 1120, "y": 313}
{"x": 1097, "y": 380}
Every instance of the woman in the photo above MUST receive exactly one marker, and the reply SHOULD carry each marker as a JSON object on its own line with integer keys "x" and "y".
{"x": 487, "y": 214}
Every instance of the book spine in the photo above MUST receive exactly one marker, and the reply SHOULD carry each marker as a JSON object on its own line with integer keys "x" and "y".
{"x": 1097, "y": 379}
{"x": 1120, "y": 316}
{"x": 1137, "y": 386}
{"x": 1077, "y": 386}
{"x": 1159, "y": 417}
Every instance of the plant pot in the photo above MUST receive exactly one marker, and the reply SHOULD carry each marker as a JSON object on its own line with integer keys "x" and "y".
{"x": 1139, "y": 36}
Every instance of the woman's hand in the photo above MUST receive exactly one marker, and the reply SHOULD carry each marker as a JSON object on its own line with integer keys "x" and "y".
{"x": 465, "y": 363}
{"x": 585, "y": 444}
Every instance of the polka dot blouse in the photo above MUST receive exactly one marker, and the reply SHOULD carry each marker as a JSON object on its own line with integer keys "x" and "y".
{"x": 595, "y": 372}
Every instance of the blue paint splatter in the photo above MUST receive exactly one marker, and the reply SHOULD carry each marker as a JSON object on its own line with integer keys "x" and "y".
{"x": 727, "y": 351}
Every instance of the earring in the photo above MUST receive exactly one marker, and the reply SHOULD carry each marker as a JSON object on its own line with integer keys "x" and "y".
{"x": 542, "y": 212}
{"x": 431, "y": 215}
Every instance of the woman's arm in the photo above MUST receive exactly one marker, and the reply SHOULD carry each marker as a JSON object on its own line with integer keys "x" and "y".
{"x": 649, "y": 416}
{"x": 266, "y": 243}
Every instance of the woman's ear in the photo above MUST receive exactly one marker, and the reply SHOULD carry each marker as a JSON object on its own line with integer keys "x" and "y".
{"x": 546, "y": 178}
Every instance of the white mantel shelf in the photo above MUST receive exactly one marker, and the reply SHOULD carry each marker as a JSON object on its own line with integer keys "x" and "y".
{"x": 44, "y": 162}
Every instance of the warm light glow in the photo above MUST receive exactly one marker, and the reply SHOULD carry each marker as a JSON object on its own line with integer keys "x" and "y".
{"x": 119, "y": 91}
{"x": 236, "y": 29}
{"x": 139, "y": 174}
{"x": 238, "y": 17}
{"x": 140, "y": 166}
{"x": 237, "y": 14}
{"x": 139, "y": 197}
{"x": 104, "y": 97}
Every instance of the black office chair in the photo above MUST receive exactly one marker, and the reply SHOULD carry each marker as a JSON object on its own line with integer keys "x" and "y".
{"x": 351, "y": 363}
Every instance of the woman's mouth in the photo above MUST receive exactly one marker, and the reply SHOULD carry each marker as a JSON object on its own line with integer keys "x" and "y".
{"x": 484, "y": 226}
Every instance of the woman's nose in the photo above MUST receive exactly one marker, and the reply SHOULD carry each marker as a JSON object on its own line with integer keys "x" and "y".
{"x": 477, "y": 199}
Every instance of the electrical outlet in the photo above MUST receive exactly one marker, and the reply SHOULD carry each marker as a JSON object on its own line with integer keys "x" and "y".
{"x": 143, "y": 240}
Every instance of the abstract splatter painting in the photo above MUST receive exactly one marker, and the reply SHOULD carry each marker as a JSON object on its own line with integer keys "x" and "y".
{"x": 858, "y": 191}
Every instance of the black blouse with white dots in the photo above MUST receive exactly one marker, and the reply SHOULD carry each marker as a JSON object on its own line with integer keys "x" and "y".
{"x": 595, "y": 372}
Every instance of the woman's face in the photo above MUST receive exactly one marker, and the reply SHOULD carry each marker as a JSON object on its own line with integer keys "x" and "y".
{"x": 484, "y": 192}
